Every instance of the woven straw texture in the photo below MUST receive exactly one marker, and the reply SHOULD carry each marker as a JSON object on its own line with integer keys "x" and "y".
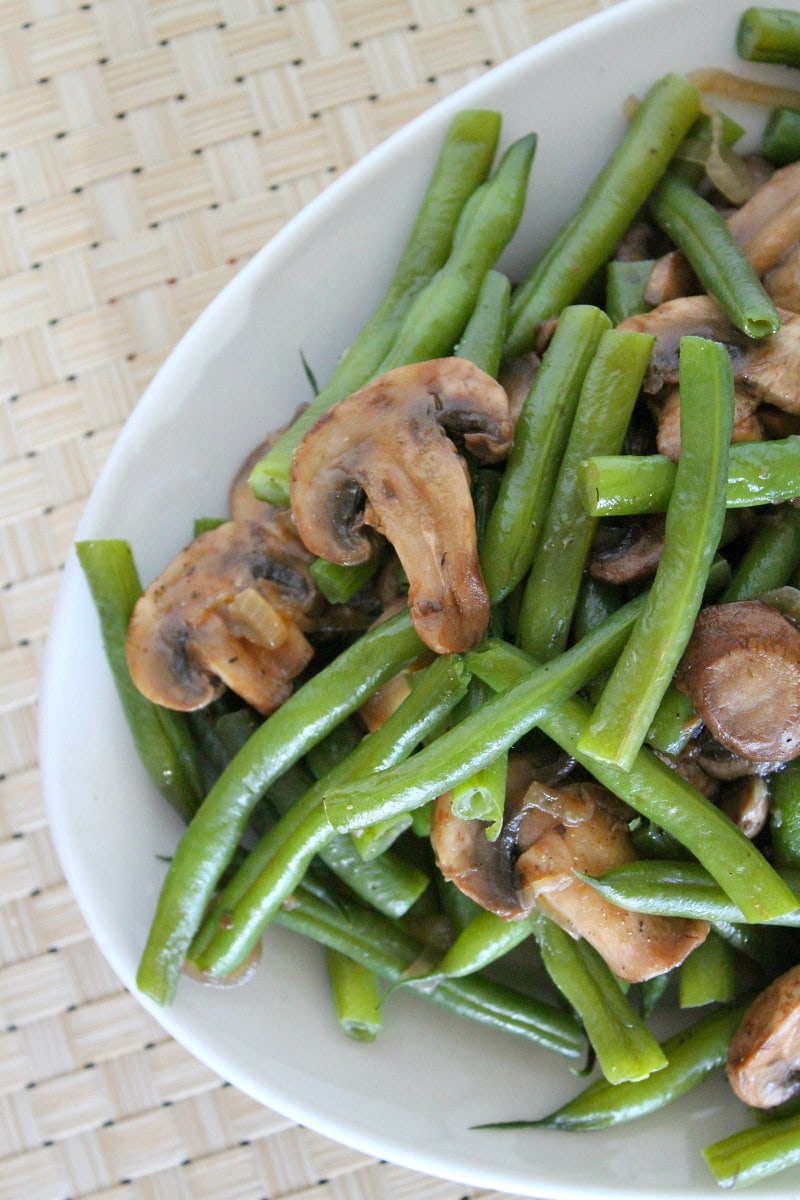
{"x": 148, "y": 148}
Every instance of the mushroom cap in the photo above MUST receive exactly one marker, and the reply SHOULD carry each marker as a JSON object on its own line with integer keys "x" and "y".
{"x": 224, "y": 612}
{"x": 381, "y": 462}
{"x": 741, "y": 671}
{"x": 763, "y": 1064}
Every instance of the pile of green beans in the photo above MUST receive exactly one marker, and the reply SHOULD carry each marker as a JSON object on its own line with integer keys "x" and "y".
{"x": 304, "y": 820}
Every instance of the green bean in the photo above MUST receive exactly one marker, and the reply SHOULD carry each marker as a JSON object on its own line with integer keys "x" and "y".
{"x": 339, "y": 584}
{"x": 589, "y": 238}
{"x": 610, "y": 390}
{"x": 692, "y": 1055}
{"x": 772, "y": 556}
{"x": 163, "y": 738}
{"x": 389, "y": 882}
{"x": 660, "y": 794}
{"x": 462, "y": 165}
{"x": 675, "y": 722}
{"x": 626, "y": 282}
{"x": 386, "y": 948}
{"x": 281, "y": 858}
{"x": 623, "y": 485}
{"x": 482, "y": 795}
{"x": 652, "y": 992}
{"x": 482, "y": 941}
{"x": 753, "y": 1154}
{"x": 330, "y": 750}
{"x": 480, "y": 737}
{"x": 708, "y": 975}
{"x": 483, "y": 337}
{"x": 681, "y": 889}
{"x": 216, "y": 830}
{"x": 769, "y": 35}
{"x": 624, "y": 1046}
{"x": 717, "y": 259}
{"x": 694, "y": 524}
{"x": 539, "y": 440}
{"x": 439, "y": 315}
{"x": 784, "y": 815}
{"x": 356, "y": 997}
{"x": 780, "y": 140}
{"x": 596, "y": 602}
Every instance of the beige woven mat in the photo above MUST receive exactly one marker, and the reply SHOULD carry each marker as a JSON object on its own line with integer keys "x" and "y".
{"x": 147, "y": 149}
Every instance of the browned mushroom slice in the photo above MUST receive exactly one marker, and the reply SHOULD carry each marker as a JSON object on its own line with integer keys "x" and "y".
{"x": 769, "y": 369}
{"x": 548, "y": 834}
{"x": 627, "y": 553}
{"x": 516, "y": 377}
{"x": 780, "y": 190}
{"x": 380, "y": 461}
{"x": 763, "y": 1064}
{"x": 746, "y": 802}
{"x": 670, "y": 276}
{"x": 746, "y": 422}
{"x": 741, "y": 671}
{"x": 225, "y": 612}
{"x": 782, "y": 283}
{"x": 582, "y": 827}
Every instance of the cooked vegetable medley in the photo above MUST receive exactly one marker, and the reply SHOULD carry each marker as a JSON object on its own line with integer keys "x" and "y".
{"x": 498, "y": 647}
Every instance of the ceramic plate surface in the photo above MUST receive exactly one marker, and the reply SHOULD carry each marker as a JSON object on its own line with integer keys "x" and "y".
{"x": 412, "y": 1096}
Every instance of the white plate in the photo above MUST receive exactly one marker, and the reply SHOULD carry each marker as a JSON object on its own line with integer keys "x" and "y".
{"x": 412, "y": 1096}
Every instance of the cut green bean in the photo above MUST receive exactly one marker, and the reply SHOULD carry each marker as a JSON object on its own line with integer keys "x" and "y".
{"x": 708, "y": 975}
{"x": 769, "y": 35}
{"x": 681, "y": 889}
{"x": 483, "y": 338}
{"x": 163, "y": 738}
{"x": 279, "y": 861}
{"x": 339, "y": 584}
{"x": 784, "y": 815}
{"x": 462, "y": 165}
{"x": 771, "y": 558}
{"x": 623, "y": 485}
{"x": 386, "y": 948}
{"x": 481, "y": 942}
{"x": 610, "y": 390}
{"x": 692, "y": 1055}
{"x": 695, "y": 517}
{"x": 589, "y": 238}
{"x": 753, "y": 1154}
{"x": 624, "y": 1046}
{"x": 539, "y": 440}
{"x": 439, "y": 315}
{"x": 216, "y": 830}
{"x": 780, "y": 141}
{"x": 480, "y": 737}
{"x": 715, "y": 256}
{"x": 356, "y": 997}
{"x": 482, "y": 795}
{"x": 626, "y": 282}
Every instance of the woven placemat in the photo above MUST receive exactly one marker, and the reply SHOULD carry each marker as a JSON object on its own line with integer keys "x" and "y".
{"x": 148, "y": 148}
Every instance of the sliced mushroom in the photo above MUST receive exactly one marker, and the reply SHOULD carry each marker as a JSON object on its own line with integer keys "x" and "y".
{"x": 516, "y": 377}
{"x": 746, "y": 422}
{"x": 548, "y": 834}
{"x": 741, "y": 671}
{"x": 746, "y": 802}
{"x": 763, "y": 1065}
{"x": 582, "y": 827}
{"x": 627, "y": 553}
{"x": 769, "y": 369}
{"x": 225, "y": 612}
{"x": 381, "y": 461}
